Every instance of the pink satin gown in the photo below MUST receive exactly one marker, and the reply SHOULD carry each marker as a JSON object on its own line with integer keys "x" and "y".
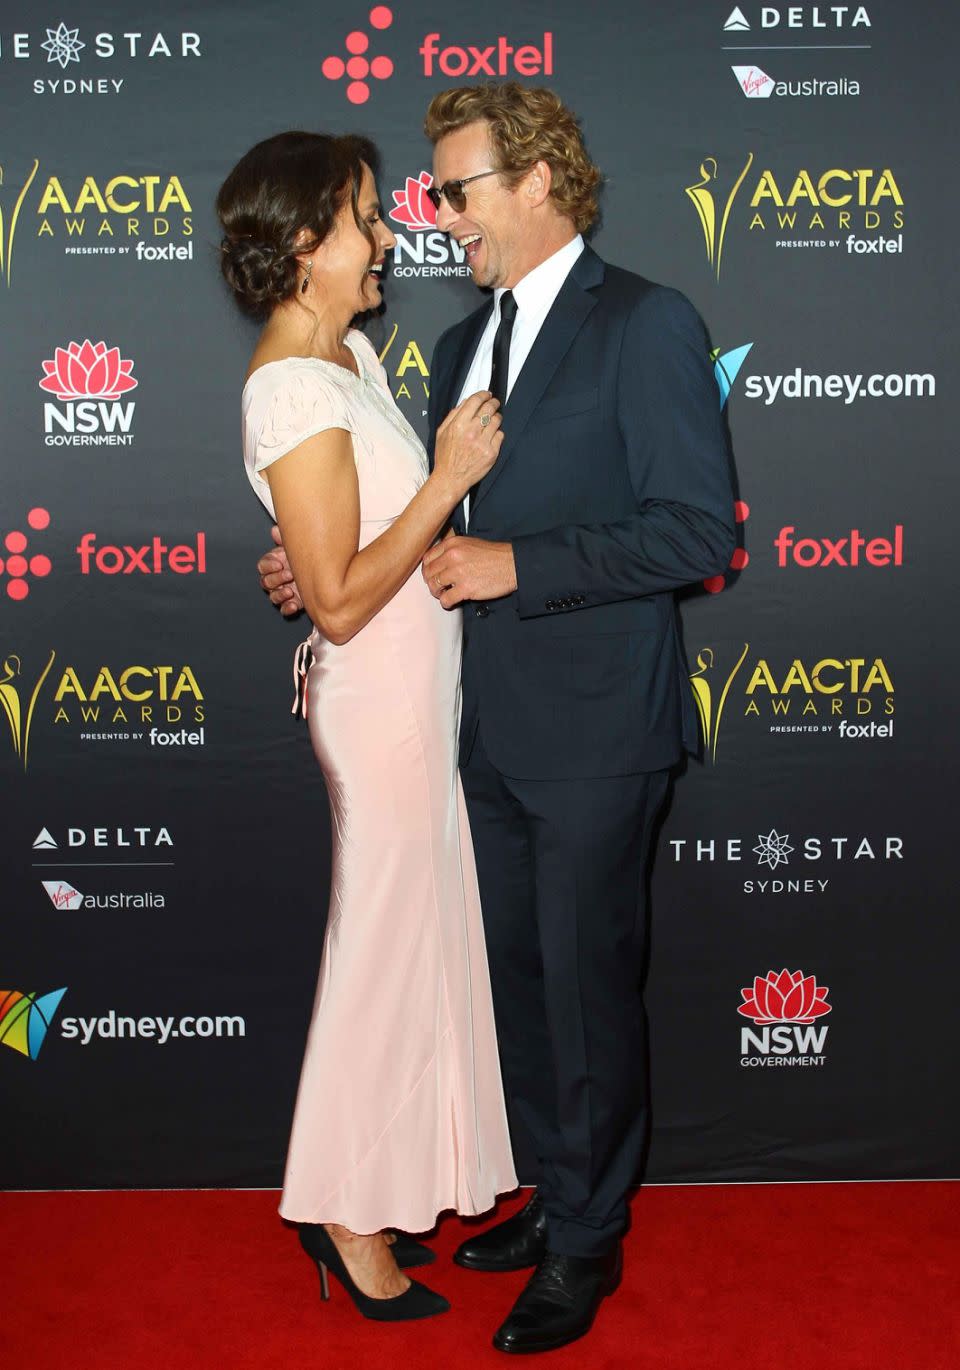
{"x": 399, "y": 1112}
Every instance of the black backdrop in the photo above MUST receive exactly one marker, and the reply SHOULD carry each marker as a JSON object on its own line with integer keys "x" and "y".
{"x": 164, "y": 840}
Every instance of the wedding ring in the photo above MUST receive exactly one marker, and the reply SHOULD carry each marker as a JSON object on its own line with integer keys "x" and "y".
{"x": 484, "y": 420}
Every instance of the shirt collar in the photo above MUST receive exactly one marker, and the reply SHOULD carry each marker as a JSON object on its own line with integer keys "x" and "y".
{"x": 540, "y": 287}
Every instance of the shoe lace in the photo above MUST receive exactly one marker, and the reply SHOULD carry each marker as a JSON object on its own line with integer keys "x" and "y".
{"x": 549, "y": 1279}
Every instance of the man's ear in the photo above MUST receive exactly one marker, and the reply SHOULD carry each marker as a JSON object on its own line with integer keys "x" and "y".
{"x": 537, "y": 183}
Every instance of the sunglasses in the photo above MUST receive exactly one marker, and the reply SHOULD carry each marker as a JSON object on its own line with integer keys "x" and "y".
{"x": 454, "y": 192}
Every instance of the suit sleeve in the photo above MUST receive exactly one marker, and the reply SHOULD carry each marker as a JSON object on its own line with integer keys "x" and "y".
{"x": 676, "y": 449}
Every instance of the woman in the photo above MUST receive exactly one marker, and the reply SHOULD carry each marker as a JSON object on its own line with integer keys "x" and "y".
{"x": 400, "y": 1109}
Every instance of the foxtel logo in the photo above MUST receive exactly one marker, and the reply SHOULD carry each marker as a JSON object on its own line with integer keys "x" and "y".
{"x": 845, "y": 551}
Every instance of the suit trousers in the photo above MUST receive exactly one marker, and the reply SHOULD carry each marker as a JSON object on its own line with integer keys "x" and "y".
{"x": 563, "y": 867}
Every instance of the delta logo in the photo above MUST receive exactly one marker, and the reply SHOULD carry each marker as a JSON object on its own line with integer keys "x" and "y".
{"x": 25, "y": 1018}
{"x": 785, "y": 1008}
{"x": 844, "y": 698}
{"x": 64, "y": 48}
{"x": 109, "y": 838}
{"x": 793, "y": 17}
{"x": 423, "y": 250}
{"x": 858, "y": 209}
{"x": 88, "y": 380}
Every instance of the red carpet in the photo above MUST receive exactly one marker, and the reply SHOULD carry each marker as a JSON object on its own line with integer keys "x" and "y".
{"x": 784, "y": 1277}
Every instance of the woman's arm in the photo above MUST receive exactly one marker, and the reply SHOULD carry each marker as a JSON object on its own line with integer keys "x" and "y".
{"x": 317, "y": 500}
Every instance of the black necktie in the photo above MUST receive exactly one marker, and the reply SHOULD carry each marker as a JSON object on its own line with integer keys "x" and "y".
{"x": 500, "y": 368}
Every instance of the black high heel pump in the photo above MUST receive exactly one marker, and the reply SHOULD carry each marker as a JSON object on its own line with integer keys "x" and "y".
{"x": 416, "y": 1302}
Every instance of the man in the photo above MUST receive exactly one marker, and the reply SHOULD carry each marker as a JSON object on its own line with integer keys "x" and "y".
{"x": 611, "y": 491}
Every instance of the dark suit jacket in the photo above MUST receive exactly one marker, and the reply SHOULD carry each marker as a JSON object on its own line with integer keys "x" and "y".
{"x": 614, "y": 486}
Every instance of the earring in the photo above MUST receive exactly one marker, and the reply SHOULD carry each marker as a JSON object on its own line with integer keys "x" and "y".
{"x": 306, "y": 279}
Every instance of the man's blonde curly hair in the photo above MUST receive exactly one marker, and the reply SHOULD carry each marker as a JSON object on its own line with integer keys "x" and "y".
{"x": 527, "y": 125}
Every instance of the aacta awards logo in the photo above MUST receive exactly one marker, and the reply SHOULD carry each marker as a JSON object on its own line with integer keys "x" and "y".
{"x": 157, "y": 706}
{"x": 95, "y": 216}
{"x": 25, "y": 1018}
{"x": 117, "y": 215}
{"x": 851, "y": 209}
{"x": 89, "y": 379}
{"x": 424, "y": 250}
{"x": 786, "y": 1009}
{"x": 851, "y": 698}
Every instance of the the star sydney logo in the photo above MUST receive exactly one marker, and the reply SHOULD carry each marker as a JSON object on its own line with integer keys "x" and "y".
{"x": 774, "y": 850}
{"x": 736, "y": 21}
{"x": 63, "y": 45}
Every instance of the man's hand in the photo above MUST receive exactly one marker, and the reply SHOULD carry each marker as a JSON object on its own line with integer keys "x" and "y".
{"x": 277, "y": 578}
{"x": 461, "y": 568}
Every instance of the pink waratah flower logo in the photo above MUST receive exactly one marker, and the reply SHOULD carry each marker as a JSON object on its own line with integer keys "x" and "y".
{"x": 88, "y": 371}
{"x": 413, "y": 206}
{"x": 785, "y": 998}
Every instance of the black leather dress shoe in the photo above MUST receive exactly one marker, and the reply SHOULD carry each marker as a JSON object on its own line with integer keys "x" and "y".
{"x": 514, "y": 1244}
{"x": 560, "y": 1301}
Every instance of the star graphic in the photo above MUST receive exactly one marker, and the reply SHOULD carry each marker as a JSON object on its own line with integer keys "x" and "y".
{"x": 774, "y": 849}
{"x": 62, "y": 45}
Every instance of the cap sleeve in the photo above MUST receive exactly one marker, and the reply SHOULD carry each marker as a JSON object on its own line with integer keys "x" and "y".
{"x": 303, "y": 403}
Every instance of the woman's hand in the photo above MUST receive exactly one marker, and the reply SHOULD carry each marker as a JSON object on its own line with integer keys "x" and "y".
{"x": 277, "y": 580}
{"x": 468, "y": 443}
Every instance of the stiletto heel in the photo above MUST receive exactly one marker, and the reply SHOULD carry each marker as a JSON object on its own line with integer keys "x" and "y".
{"x": 416, "y": 1302}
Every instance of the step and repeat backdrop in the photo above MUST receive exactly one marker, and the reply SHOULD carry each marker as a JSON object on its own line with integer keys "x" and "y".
{"x": 164, "y": 843}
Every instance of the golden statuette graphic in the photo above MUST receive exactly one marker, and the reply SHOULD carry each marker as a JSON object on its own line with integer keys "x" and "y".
{"x": 12, "y": 704}
{"x": 704, "y": 202}
{"x": 710, "y": 716}
{"x": 7, "y": 233}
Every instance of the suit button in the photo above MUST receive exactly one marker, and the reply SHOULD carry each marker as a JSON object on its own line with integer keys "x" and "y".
{"x": 481, "y": 611}
{"x": 568, "y": 603}
{"x": 578, "y": 600}
{"x": 550, "y": 604}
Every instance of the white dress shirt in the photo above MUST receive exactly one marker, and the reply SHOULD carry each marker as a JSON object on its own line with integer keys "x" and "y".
{"x": 534, "y": 295}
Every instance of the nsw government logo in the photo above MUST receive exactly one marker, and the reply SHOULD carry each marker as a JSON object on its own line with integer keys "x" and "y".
{"x": 89, "y": 380}
{"x": 423, "y": 250}
{"x": 786, "y": 1009}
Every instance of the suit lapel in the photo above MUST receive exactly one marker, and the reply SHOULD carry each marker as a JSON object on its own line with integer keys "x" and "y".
{"x": 564, "y": 321}
{"x": 468, "y": 346}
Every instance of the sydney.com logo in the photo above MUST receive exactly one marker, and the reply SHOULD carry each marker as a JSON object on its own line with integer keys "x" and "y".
{"x": 25, "y": 1018}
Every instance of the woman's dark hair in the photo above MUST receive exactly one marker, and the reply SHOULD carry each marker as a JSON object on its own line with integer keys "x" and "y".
{"x": 287, "y": 183}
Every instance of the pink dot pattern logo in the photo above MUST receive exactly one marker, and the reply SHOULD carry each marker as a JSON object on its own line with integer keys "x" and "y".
{"x": 16, "y": 564}
{"x": 358, "y": 66}
{"x": 740, "y": 558}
